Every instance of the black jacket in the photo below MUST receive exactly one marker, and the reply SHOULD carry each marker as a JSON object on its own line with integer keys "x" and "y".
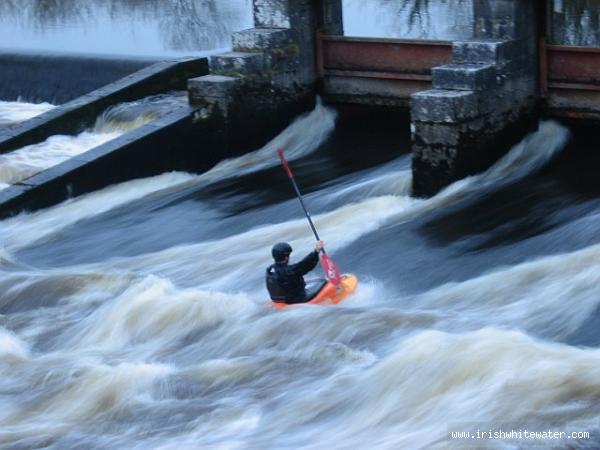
{"x": 285, "y": 282}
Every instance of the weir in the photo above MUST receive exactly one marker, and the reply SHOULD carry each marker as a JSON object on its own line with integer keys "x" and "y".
{"x": 58, "y": 78}
{"x": 78, "y": 114}
{"x": 145, "y": 151}
{"x": 469, "y": 100}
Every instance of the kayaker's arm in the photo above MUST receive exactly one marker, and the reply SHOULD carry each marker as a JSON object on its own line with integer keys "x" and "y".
{"x": 307, "y": 264}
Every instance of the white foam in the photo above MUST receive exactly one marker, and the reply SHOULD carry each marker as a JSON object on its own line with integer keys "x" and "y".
{"x": 15, "y": 112}
{"x": 25, "y": 162}
{"x": 12, "y": 349}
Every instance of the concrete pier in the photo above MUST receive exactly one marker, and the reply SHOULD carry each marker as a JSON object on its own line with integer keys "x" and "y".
{"x": 271, "y": 74}
{"x": 482, "y": 103}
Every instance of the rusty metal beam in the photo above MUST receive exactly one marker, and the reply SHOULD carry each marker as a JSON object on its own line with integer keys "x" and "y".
{"x": 388, "y": 56}
{"x": 573, "y": 65}
{"x": 570, "y": 81}
{"x": 383, "y": 75}
{"x": 574, "y": 86}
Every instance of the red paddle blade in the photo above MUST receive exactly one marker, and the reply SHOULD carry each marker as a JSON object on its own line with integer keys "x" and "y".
{"x": 331, "y": 271}
{"x": 286, "y": 167}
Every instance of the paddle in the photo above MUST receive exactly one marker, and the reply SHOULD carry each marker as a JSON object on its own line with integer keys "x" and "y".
{"x": 331, "y": 271}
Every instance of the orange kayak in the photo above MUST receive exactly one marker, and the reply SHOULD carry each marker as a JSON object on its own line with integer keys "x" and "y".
{"x": 329, "y": 294}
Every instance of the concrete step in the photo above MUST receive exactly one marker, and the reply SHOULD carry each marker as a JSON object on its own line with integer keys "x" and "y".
{"x": 210, "y": 87}
{"x": 267, "y": 39}
{"x": 237, "y": 63}
{"x": 465, "y": 77}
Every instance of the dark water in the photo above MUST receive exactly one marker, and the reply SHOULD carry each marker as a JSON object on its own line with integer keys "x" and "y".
{"x": 134, "y": 317}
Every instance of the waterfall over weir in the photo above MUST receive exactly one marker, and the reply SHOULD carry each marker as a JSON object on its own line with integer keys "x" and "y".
{"x": 25, "y": 162}
{"x": 135, "y": 317}
{"x": 15, "y": 112}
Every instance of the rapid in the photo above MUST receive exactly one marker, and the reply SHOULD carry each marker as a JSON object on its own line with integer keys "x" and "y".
{"x": 22, "y": 163}
{"x": 135, "y": 317}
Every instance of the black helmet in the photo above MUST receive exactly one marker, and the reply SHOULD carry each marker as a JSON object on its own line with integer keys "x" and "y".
{"x": 280, "y": 251}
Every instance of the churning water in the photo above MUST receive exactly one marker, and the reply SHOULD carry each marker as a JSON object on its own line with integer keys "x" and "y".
{"x": 12, "y": 113}
{"x": 135, "y": 317}
{"x": 25, "y": 162}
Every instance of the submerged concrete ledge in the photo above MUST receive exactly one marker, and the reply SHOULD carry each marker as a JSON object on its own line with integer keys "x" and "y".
{"x": 77, "y": 115}
{"x": 186, "y": 139}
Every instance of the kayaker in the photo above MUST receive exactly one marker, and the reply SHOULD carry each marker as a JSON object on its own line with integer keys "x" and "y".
{"x": 285, "y": 281}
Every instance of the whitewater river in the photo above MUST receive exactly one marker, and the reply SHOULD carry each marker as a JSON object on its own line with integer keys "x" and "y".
{"x": 134, "y": 317}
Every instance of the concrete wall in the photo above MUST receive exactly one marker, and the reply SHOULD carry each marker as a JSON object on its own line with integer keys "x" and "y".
{"x": 482, "y": 103}
{"x": 57, "y": 78}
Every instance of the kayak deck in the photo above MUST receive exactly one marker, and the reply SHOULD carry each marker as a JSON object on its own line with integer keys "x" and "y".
{"x": 330, "y": 294}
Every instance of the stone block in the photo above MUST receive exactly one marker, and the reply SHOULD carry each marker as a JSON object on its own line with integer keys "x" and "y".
{"x": 505, "y": 19}
{"x": 491, "y": 51}
{"x": 427, "y": 134}
{"x": 331, "y": 18}
{"x": 510, "y": 96}
{"x": 435, "y": 157}
{"x": 470, "y": 77}
{"x": 211, "y": 87}
{"x": 257, "y": 39}
{"x": 438, "y": 106}
{"x": 237, "y": 62}
{"x": 272, "y": 13}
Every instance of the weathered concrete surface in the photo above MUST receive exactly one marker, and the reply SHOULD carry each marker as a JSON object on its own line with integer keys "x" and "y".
{"x": 186, "y": 139}
{"x": 482, "y": 103}
{"x": 504, "y": 19}
{"x": 58, "y": 78}
{"x": 77, "y": 115}
{"x": 270, "y": 76}
{"x": 330, "y": 18}
{"x": 253, "y": 111}
{"x": 237, "y": 64}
